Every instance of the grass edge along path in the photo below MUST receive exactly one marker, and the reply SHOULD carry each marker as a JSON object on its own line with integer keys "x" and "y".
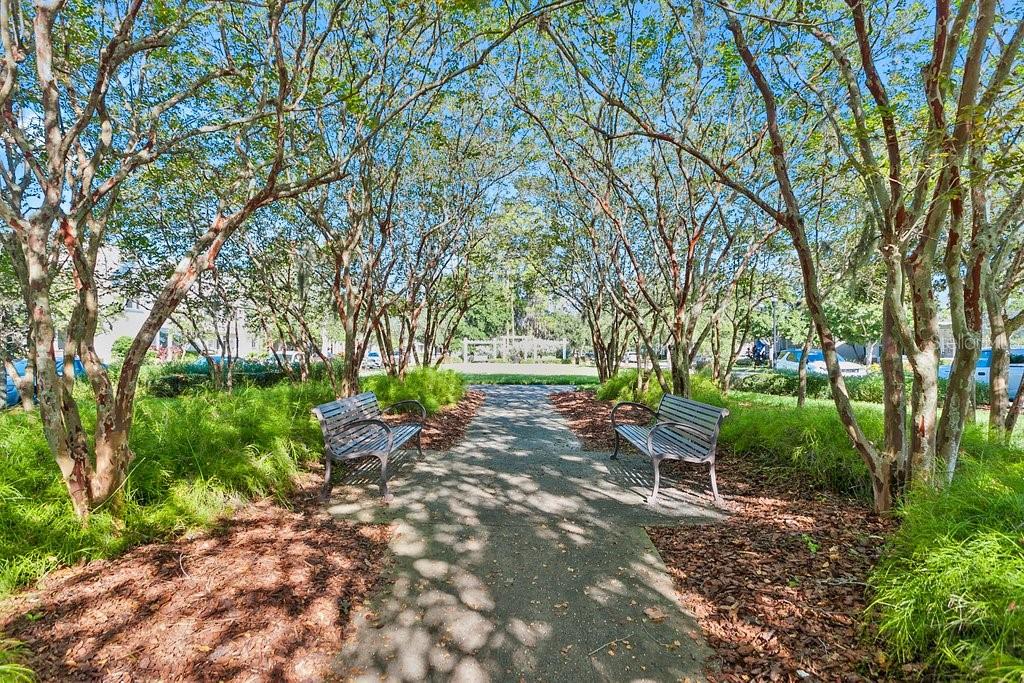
{"x": 511, "y": 378}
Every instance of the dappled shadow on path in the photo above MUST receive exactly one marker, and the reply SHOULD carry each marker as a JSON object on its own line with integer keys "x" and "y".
{"x": 519, "y": 555}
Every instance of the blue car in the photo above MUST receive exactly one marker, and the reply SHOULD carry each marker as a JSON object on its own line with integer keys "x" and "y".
{"x": 13, "y": 398}
{"x": 983, "y": 370}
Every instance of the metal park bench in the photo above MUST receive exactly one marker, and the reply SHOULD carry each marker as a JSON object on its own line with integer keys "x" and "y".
{"x": 681, "y": 429}
{"x": 353, "y": 429}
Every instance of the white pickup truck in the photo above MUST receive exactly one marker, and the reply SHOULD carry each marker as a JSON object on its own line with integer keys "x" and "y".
{"x": 983, "y": 370}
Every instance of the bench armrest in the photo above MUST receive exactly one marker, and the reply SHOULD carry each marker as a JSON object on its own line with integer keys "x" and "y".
{"x": 411, "y": 401}
{"x": 683, "y": 427}
{"x": 621, "y": 404}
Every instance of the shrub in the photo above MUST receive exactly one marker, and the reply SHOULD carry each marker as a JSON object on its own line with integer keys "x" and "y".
{"x": 808, "y": 442}
{"x": 781, "y": 383}
{"x": 196, "y": 457}
{"x": 623, "y": 387}
{"x": 950, "y": 588}
{"x": 432, "y": 387}
{"x": 168, "y": 380}
{"x": 868, "y": 389}
{"x": 119, "y": 349}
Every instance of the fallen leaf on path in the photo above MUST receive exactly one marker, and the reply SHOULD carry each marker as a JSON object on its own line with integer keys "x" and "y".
{"x": 655, "y": 614}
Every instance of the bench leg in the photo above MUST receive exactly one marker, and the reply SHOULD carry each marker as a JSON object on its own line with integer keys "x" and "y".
{"x": 325, "y": 492}
{"x": 714, "y": 484}
{"x": 419, "y": 442}
{"x": 653, "y": 500}
{"x": 615, "y": 455}
{"x": 385, "y": 495}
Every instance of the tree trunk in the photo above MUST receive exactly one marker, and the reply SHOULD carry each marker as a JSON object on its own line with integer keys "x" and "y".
{"x": 23, "y": 383}
{"x": 716, "y": 352}
{"x": 894, "y": 401}
{"x": 793, "y": 221}
{"x": 999, "y": 372}
{"x": 924, "y": 401}
{"x": 680, "y": 369}
{"x": 1014, "y": 412}
{"x": 350, "y": 373}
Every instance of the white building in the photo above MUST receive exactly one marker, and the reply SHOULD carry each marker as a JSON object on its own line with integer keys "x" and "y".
{"x": 124, "y": 317}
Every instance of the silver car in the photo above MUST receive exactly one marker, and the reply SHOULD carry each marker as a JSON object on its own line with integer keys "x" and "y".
{"x": 789, "y": 361}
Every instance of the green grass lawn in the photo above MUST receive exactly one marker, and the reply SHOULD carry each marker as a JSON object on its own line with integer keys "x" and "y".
{"x": 519, "y": 379}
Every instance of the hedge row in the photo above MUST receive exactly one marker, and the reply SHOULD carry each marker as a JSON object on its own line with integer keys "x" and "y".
{"x": 868, "y": 389}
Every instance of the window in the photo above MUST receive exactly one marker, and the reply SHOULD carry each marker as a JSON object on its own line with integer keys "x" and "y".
{"x": 132, "y": 305}
{"x": 1016, "y": 356}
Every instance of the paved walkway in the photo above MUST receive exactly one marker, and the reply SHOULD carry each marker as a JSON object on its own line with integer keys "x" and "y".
{"x": 520, "y": 557}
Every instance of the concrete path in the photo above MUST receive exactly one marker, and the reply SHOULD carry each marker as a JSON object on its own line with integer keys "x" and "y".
{"x": 520, "y": 557}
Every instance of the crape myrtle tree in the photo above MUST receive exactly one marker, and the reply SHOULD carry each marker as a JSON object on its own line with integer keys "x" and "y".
{"x": 284, "y": 294}
{"x": 457, "y": 157}
{"x": 160, "y": 217}
{"x": 920, "y": 208}
{"x": 574, "y": 267}
{"x": 399, "y": 61}
{"x": 354, "y": 220}
{"x": 209, "y": 319}
{"x": 906, "y": 131}
{"x": 93, "y": 93}
{"x": 673, "y": 230}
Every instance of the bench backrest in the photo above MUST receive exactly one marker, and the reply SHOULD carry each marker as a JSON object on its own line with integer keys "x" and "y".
{"x": 703, "y": 419}
{"x": 335, "y": 415}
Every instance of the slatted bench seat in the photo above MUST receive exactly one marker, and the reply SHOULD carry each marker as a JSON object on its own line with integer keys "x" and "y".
{"x": 353, "y": 428}
{"x": 681, "y": 429}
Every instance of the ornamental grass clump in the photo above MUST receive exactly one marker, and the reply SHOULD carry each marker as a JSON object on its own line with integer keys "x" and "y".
{"x": 432, "y": 387}
{"x": 950, "y": 588}
{"x": 196, "y": 458}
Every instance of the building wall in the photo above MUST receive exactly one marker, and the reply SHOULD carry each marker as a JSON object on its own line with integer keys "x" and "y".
{"x": 129, "y": 321}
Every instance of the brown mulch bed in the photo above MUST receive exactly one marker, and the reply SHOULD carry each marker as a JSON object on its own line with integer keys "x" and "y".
{"x": 778, "y": 587}
{"x": 443, "y": 430}
{"x": 265, "y": 596}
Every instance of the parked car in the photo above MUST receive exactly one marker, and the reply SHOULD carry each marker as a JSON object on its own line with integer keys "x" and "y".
{"x": 373, "y": 361}
{"x": 983, "y": 369}
{"x": 630, "y": 358}
{"x": 287, "y": 357}
{"x": 789, "y": 361}
{"x": 11, "y": 395}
